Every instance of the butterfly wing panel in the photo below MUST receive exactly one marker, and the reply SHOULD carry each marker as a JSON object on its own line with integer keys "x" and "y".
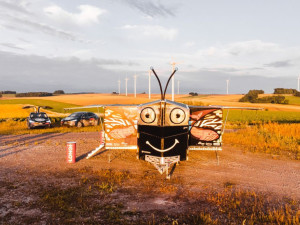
{"x": 205, "y": 128}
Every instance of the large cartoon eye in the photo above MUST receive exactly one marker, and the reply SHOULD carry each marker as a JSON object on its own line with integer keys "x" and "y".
{"x": 177, "y": 115}
{"x": 148, "y": 115}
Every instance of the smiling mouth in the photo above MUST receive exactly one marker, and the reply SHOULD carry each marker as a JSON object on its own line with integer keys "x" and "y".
{"x": 163, "y": 150}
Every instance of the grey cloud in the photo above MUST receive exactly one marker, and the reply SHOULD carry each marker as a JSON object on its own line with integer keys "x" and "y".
{"x": 36, "y": 73}
{"x": 14, "y": 6}
{"x": 278, "y": 64}
{"x": 45, "y": 29}
{"x": 10, "y": 45}
{"x": 150, "y": 8}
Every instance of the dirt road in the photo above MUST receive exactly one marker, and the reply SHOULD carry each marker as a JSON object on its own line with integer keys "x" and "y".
{"x": 46, "y": 153}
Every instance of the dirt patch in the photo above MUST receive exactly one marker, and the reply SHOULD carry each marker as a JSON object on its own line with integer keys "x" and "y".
{"x": 38, "y": 186}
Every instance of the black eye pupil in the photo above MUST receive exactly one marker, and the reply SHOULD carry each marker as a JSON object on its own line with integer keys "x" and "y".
{"x": 177, "y": 115}
{"x": 147, "y": 115}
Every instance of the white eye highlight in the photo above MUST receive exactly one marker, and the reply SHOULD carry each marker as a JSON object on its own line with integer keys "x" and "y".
{"x": 148, "y": 115}
{"x": 177, "y": 115}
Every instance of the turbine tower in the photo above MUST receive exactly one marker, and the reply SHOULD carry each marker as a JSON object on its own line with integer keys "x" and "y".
{"x": 299, "y": 83}
{"x": 178, "y": 87}
{"x": 135, "y": 76}
{"x": 126, "y": 80}
{"x": 119, "y": 84}
{"x": 173, "y": 68}
{"x": 149, "y": 84}
{"x": 227, "y": 82}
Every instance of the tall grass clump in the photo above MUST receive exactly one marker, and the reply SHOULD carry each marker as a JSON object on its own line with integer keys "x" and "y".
{"x": 271, "y": 138}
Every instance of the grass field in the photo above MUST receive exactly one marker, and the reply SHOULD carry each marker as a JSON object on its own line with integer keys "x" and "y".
{"x": 293, "y": 100}
{"x": 56, "y": 106}
{"x": 13, "y": 111}
{"x": 262, "y": 116}
{"x": 271, "y": 138}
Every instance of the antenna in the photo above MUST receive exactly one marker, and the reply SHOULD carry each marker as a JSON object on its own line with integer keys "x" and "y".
{"x": 149, "y": 84}
{"x": 172, "y": 75}
{"x": 161, "y": 93}
{"x": 135, "y": 76}
{"x": 126, "y": 79}
{"x": 227, "y": 82}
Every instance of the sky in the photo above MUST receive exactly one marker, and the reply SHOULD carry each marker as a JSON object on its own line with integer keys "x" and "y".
{"x": 88, "y": 45}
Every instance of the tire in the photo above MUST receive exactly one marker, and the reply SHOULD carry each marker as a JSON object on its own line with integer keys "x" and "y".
{"x": 79, "y": 124}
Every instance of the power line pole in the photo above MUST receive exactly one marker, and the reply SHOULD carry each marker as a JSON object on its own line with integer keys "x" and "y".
{"x": 149, "y": 84}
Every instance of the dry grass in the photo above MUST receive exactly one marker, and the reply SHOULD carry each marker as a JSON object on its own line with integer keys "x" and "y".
{"x": 101, "y": 197}
{"x": 13, "y": 111}
{"x": 271, "y": 138}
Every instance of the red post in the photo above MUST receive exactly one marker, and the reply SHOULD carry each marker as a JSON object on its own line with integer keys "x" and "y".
{"x": 71, "y": 152}
{"x": 101, "y": 137}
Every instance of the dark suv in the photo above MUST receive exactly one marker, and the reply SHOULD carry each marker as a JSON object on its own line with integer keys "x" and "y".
{"x": 81, "y": 119}
{"x": 38, "y": 119}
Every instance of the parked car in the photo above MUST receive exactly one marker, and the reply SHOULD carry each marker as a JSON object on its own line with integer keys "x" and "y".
{"x": 81, "y": 119}
{"x": 38, "y": 119}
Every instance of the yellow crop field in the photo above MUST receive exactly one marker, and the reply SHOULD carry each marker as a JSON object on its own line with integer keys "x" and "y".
{"x": 13, "y": 111}
{"x": 271, "y": 138}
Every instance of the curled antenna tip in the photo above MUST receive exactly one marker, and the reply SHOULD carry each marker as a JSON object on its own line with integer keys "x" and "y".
{"x": 151, "y": 67}
{"x": 176, "y": 69}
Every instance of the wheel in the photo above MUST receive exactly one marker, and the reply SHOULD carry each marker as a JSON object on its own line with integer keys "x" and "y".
{"x": 79, "y": 124}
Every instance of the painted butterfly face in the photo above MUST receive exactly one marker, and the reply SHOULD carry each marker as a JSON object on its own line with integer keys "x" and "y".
{"x": 163, "y": 129}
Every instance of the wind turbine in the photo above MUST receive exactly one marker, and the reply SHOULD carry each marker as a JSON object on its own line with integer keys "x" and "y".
{"x": 227, "y": 82}
{"x": 135, "y": 76}
{"x": 149, "y": 84}
{"x": 178, "y": 87}
{"x": 126, "y": 80}
{"x": 173, "y": 68}
{"x": 119, "y": 84}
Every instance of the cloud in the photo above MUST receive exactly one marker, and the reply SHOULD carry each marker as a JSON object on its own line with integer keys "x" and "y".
{"x": 17, "y": 6}
{"x": 278, "y": 64}
{"x": 154, "y": 31}
{"x": 88, "y": 14}
{"x": 10, "y": 45}
{"x": 150, "y": 8}
{"x": 27, "y": 25}
{"x": 243, "y": 48}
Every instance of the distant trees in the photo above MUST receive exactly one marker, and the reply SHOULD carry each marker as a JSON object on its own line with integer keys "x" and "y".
{"x": 59, "y": 92}
{"x": 34, "y": 94}
{"x": 285, "y": 91}
{"x": 252, "y": 96}
{"x": 0, "y": 95}
{"x": 297, "y": 94}
{"x": 8, "y": 92}
{"x": 193, "y": 93}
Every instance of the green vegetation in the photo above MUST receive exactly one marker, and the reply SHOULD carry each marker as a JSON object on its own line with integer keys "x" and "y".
{"x": 285, "y": 91}
{"x": 252, "y": 96}
{"x": 56, "y": 106}
{"x": 262, "y": 116}
{"x": 293, "y": 100}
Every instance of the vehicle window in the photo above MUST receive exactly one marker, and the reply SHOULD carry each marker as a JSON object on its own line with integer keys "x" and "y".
{"x": 91, "y": 114}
